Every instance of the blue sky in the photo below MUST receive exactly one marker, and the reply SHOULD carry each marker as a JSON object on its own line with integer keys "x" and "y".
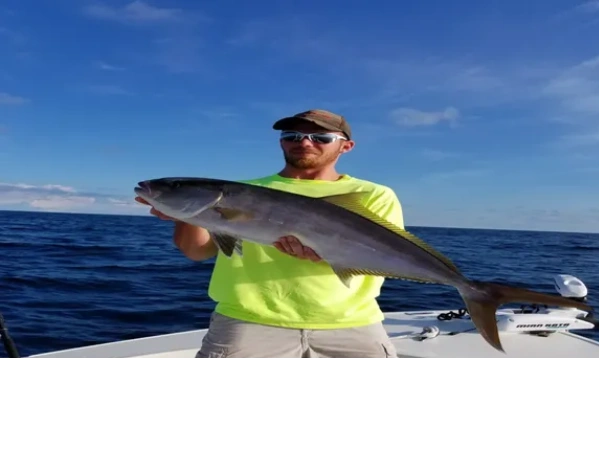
{"x": 478, "y": 114}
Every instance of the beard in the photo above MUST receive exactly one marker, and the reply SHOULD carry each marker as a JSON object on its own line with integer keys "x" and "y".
{"x": 310, "y": 160}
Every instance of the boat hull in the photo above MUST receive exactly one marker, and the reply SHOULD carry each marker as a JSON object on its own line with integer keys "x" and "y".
{"x": 447, "y": 338}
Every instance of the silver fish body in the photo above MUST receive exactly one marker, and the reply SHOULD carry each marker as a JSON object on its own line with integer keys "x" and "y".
{"x": 339, "y": 229}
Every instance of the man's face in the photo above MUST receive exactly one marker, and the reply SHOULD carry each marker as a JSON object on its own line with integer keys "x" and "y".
{"x": 308, "y": 154}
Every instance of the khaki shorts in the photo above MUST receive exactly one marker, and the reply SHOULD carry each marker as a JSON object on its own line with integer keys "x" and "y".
{"x": 228, "y": 337}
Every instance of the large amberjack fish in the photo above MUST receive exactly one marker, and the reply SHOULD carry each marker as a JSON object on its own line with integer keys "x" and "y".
{"x": 351, "y": 239}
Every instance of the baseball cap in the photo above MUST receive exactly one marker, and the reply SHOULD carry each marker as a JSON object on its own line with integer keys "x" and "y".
{"x": 330, "y": 121}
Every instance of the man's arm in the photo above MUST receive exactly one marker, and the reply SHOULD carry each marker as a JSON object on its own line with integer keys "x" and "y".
{"x": 194, "y": 242}
{"x": 385, "y": 205}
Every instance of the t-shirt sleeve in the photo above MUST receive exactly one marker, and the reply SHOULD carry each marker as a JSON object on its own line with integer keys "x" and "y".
{"x": 387, "y": 205}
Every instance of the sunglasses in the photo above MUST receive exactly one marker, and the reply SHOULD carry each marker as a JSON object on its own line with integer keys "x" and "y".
{"x": 320, "y": 138}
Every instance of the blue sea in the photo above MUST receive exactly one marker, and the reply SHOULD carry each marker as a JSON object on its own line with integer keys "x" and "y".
{"x": 70, "y": 280}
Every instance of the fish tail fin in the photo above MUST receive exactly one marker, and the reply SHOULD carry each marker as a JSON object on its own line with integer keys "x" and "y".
{"x": 483, "y": 298}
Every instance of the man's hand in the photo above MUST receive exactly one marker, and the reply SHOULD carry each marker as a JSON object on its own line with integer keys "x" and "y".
{"x": 291, "y": 245}
{"x": 155, "y": 212}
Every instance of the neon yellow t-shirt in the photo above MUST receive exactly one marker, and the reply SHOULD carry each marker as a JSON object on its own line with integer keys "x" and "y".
{"x": 269, "y": 287}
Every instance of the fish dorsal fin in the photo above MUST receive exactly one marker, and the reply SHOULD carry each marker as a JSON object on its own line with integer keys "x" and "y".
{"x": 351, "y": 202}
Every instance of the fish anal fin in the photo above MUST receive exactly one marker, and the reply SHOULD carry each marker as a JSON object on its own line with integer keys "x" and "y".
{"x": 346, "y": 274}
{"x": 351, "y": 202}
{"x": 227, "y": 244}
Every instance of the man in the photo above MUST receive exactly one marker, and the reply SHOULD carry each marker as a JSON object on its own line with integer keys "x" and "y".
{"x": 283, "y": 301}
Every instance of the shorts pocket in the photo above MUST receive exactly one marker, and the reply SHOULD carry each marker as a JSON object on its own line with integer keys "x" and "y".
{"x": 211, "y": 348}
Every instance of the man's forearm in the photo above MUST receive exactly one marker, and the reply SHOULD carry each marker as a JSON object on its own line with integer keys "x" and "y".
{"x": 194, "y": 242}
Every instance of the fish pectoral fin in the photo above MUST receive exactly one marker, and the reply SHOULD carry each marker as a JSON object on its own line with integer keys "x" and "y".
{"x": 345, "y": 275}
{"x": 227, "y": 244}
{"x": 232, "y": 214}
{"x": 239, "y": 248}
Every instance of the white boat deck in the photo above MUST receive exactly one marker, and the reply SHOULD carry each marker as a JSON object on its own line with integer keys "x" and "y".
{"x": 455, "y": 338}
{"x": 465, "y": 341}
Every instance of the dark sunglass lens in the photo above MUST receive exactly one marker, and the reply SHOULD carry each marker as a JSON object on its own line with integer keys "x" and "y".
{"x": 323, "y": 139}
{"x": 290, "y": 136}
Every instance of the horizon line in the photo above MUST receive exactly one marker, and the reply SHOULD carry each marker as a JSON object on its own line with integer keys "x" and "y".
{"x": 407, "y": 226}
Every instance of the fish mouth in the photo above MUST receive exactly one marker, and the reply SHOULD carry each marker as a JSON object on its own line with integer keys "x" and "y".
{"x": 144, "y": 190}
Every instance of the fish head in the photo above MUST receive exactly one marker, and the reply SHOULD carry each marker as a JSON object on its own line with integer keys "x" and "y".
{"x": 180, "y": 197}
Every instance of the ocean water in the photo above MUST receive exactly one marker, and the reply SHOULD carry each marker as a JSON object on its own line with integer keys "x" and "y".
{"x": 71, "y": 280}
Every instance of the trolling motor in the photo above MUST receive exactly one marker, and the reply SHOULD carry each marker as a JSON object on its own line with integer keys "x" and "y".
{"x": 542, "y": 320}
{"x": 570, "y": 287}
{"x": 9, "y": 345}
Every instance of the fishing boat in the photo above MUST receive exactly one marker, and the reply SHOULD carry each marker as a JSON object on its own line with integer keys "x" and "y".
{"x": 527, "y": 331}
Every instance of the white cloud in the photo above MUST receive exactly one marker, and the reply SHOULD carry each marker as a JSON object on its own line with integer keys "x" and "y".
{"x": 15, "y": 37}
{"x": 61, "y": 202}
{"x": 572, "y": 219}
{"x": 179, "y": 53}
{"x": 43, "y": 197}
{"x": 448, "y": 176}
{"x": 176, "y": 45}
{"x": 438, "y": 155}
{"x": 408, "y": 117}
{"x": 589, "y": 7}
{"x": 26, "y": 187}
{"x": 8, "y": 99}
{"x": 466, "y": 80}
{"x": 581, "y": 140}
{"x": 566, "y": 95}
{"x": 134, "y": 13}
{"x": 108, "y": 67}
{"x": 114, "y": 90}
{"x": 577, "y": 88}
{"x": 574, "y": 98}
{"x": 55, "y": 197}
